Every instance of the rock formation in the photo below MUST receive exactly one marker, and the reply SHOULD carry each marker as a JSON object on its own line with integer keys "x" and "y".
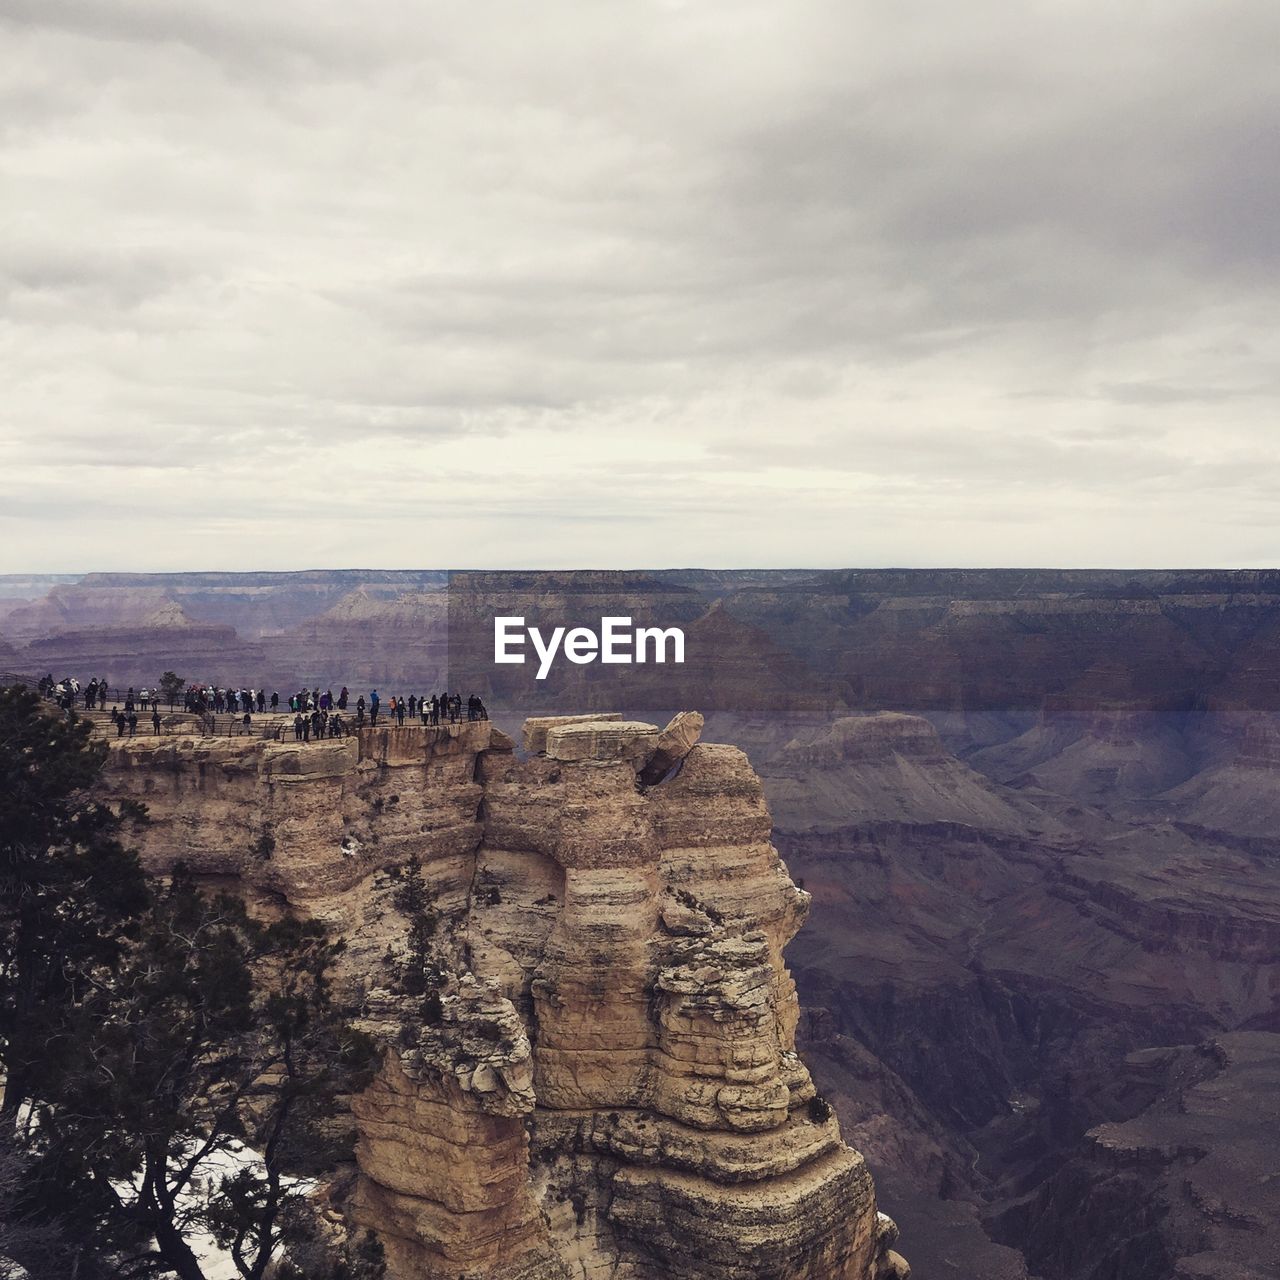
{"x": 601, "y": 1077}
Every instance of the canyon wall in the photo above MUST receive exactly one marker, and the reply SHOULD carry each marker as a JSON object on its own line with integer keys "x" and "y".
{"x": 601, "y": 1077}
{"x": 782, "y": 642}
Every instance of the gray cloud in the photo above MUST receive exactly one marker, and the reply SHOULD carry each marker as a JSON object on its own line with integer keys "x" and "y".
{"x": 645, "y": 283}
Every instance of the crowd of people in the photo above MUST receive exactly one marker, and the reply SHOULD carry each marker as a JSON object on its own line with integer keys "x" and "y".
{"x": 316, "y": 715}
{"x": 321, "y": 715}
{"x": 203, "y": 699}
{"x": 126, "y": 721}
{"x": 67, "y": 692}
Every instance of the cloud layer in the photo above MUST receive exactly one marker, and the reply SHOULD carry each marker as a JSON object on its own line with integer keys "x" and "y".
{"x": 638, "y": 284}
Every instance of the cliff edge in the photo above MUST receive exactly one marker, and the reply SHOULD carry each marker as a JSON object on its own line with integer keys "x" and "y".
{"x": 595, "y": 1073}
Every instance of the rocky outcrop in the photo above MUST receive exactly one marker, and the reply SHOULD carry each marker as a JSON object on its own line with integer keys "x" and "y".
{"x": 600, "y": 1076}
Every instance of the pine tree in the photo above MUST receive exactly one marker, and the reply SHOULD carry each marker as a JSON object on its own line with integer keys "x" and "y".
{"x": 219, "y": 1039}
{"x": 71, "y": 895}
{"x": 147, "y": 1036}
{"x": 420, "y": 973}
{"x": 172, "y": 685}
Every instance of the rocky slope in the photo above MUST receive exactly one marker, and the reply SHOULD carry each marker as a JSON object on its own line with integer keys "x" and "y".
{"x": 1186, "y": 1188}
{"x": 603, "y": 1079}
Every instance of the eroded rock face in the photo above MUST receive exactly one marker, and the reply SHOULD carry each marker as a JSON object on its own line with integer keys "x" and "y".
{"x": 601, "y": 1078}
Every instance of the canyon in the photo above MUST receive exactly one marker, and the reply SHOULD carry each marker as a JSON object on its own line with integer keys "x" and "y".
{"x": 1035, "y": 814}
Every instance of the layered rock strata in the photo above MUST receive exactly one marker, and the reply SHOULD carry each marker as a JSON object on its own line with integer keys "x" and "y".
{"x": 600, "y": 1078}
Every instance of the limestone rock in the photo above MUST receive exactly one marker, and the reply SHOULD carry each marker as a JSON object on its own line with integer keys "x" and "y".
{"x": 630, "y": 740}
{"x": 674, "y": 743}
{"x": 536, "y": 728}
{"x": 602, "y": 1079}
{"x": 896, "y": 1267}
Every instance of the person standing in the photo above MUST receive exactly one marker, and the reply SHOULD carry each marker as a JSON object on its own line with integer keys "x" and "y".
{"x": 297, "y": 726}
{"x": 155, "y": 721}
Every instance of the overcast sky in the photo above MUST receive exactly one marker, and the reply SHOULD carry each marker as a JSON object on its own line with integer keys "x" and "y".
{"x": 294, "y": 284}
